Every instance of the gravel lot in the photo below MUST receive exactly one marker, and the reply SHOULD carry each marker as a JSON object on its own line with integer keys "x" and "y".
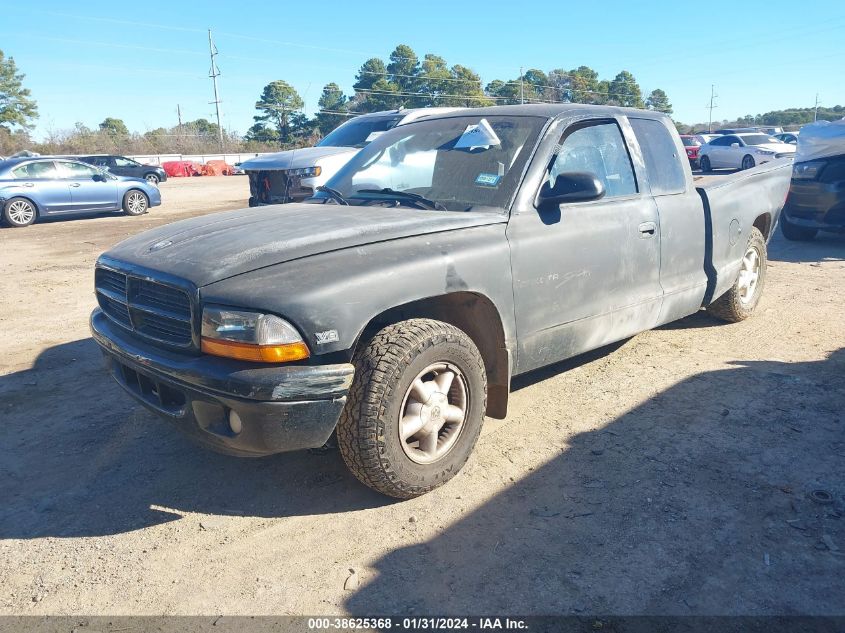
{"x": 668, "y": 474}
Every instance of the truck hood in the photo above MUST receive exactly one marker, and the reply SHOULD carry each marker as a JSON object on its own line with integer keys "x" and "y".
{"x": 210, "y": 248}
{"x": 294, "y": 158}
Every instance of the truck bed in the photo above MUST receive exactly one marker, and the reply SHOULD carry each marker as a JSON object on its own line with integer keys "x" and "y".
{"x": 736, "y": 200}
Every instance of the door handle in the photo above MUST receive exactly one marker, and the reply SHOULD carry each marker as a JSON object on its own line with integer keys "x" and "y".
{"x": 28, "y": 184}
{"x": 647, "y": 229}
{"x": 74, "y": 184}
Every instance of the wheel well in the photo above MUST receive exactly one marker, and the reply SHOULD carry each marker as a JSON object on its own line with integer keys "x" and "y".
{"x": 764, "y": 224}
{"x": 476, "y": 315}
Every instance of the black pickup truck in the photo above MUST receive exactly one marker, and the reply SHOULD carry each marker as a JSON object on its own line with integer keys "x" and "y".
{"x": 449, "y": 255}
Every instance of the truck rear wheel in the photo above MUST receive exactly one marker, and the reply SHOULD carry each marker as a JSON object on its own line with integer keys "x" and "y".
{"x": 415, "y": 408}
{"x": 738, "y": 303}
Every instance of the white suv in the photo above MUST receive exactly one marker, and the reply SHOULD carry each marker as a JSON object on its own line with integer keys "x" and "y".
{"x": 742, "y": 151}
{"x": 293, "y": 175}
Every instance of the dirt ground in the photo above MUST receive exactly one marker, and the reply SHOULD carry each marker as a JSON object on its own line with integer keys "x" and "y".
{"x": 670, "y": 474}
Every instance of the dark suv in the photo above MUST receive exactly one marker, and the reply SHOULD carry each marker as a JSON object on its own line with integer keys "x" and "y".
{"x": 122, "y": 166}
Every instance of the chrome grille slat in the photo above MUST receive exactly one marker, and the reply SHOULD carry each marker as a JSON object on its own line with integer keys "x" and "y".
{"x": 153, "y": 310}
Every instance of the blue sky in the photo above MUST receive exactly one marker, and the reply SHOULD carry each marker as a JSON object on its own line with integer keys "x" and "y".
{"x": 136, "y": 61}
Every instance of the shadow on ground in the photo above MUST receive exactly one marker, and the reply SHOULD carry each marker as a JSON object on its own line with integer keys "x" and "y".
{"x": 82, "y": 459}
{"x": 825, "y": 247}
{"x": 695, "y": 502}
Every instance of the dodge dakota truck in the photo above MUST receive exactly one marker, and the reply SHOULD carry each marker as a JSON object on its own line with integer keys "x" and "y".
{"x": 452, "y": 253}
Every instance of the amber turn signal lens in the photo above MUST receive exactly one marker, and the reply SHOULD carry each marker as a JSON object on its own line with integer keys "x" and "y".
{"x": 256, "y": 353}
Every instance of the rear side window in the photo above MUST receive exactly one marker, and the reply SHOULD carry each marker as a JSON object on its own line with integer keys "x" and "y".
{"x": 598, "y": 149}
{"x": 665, "y": 169}
{"x": 43, "y": 169}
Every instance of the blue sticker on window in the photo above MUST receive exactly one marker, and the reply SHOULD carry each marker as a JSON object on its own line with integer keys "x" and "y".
{"x": 488, "y": 180}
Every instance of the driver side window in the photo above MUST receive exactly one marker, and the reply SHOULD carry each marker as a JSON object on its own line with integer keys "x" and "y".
{"x": 598, "y": 149}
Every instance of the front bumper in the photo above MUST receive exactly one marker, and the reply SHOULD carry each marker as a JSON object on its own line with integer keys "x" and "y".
{"x": 281, "y": 408}
{"x": 814, "y": 204}
{"x": 278, "y": 187}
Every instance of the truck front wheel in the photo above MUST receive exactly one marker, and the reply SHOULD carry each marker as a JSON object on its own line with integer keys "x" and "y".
{"x": 738, "y": 303}
{"x": 415, "y": 408}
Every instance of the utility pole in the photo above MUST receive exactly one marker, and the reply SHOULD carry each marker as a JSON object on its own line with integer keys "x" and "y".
{"x": 521, "y": 86}
{"x": 713, "y": 95}
{"x": 214, "y": 74}
{"x": 179, "y": 116}
{"x": 816, "y": 109}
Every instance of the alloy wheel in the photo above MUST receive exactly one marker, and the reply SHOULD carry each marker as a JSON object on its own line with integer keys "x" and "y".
{"x": 136, "y": 202}
{"x": 749, "y": 275}
{"x": 21, "y": 212}
{"x": 433, "y": 413}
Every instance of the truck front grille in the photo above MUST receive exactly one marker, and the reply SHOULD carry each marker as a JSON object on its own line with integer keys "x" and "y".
{"x": 153, "y": 310}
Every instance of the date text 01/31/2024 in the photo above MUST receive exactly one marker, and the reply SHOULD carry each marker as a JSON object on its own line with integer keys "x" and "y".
{"x": 416, "y": 623}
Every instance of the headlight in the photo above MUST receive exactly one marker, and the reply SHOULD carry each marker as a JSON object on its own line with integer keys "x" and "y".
{"x": 807, "y": 171}
{"x": 247, "y": 335}
{"x": 764, "y": 152}
{"x": 306, "y": 172}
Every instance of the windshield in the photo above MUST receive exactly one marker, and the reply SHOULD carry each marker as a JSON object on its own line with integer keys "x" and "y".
{"x": 758, "y": 139}
{"x": 690, "y": 142}
{"x": 442, "y": 160}
{"x": 356, "y": 133}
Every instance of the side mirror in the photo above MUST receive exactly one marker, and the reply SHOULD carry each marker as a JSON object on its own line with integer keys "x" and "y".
{"x": 734, "y": 144}
{"x": 575, "y": 186}
{"x": 99, "y": 178}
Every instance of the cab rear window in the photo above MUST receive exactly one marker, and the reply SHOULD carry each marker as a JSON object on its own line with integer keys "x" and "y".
{"x": 665, "y": 170}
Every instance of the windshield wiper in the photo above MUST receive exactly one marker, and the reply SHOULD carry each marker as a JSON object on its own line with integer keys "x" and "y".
{"x": 334, "y": 194}
{"x": 407, "y": 195}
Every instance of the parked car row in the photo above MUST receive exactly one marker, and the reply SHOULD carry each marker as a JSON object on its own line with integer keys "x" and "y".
{"x": 742, "y": 151}
{"x": 728, "y": 149}
{"x": 35, "y": 187}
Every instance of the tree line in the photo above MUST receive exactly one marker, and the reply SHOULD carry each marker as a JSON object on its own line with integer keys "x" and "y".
{"x": 406, "y": 81}
{"x": 790, "y": 117}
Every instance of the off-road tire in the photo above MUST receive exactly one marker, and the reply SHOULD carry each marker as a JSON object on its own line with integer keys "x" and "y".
{"x": 129, "y": 208}
{"x": 368, "y": 430}
{"x": 796, "y": 233}
{"x": 19, "y": 212}
{"x": 730, "y": 307}
{"x": 705, "y": 164}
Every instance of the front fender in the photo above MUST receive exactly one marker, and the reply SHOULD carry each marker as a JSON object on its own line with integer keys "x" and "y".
{"x": 332, "y": 297}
